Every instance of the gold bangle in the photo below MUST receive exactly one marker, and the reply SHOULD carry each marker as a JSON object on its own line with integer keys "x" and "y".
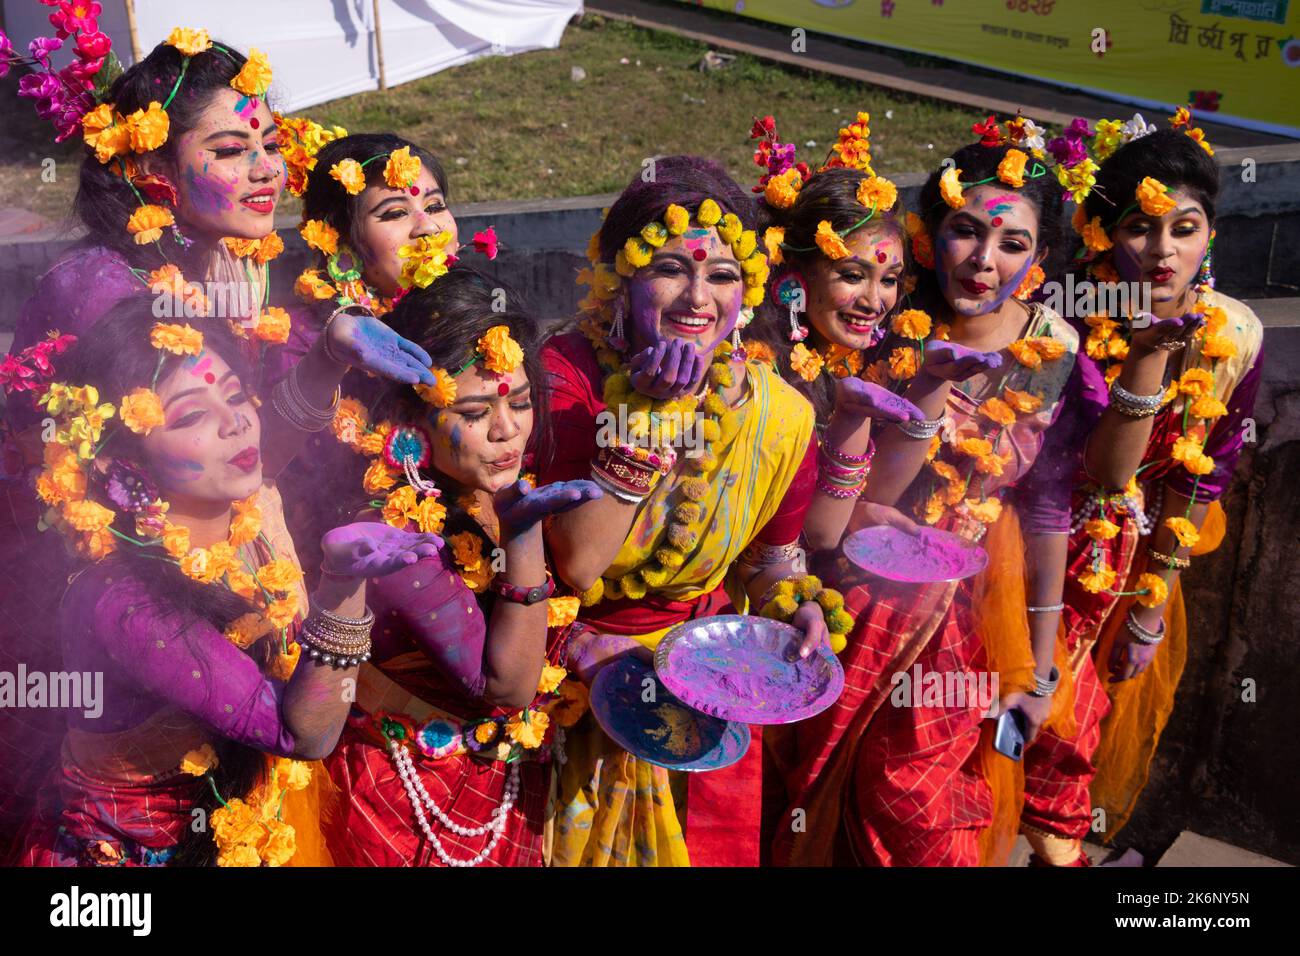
{"x": 1171, "y": 561}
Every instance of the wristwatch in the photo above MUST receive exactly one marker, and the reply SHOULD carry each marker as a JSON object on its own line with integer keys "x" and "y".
{"x": 525, "y": 596}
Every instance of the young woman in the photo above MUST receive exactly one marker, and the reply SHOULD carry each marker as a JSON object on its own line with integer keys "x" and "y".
{"x": 375, "y": 218}
{"x": 447, "y": 759}
{"x": 902, "y": 783}
{"x": 708, "y": 462}
{"x": 1176, "y": 388}
{"x": 188, "y": 602}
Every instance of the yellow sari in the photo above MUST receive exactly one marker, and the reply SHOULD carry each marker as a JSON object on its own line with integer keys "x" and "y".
{"x": 612, "y": 809}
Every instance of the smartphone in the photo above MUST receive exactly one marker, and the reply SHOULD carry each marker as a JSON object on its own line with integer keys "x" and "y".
{"x": 1009, "y": 734}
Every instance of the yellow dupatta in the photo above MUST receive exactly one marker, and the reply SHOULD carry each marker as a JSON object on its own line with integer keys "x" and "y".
{"x": 610, "y": 808}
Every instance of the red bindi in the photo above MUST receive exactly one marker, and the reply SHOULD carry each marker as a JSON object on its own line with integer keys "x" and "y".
{"x": 415, "y": 190}
{"x": 700, "y": 255}
{"x": 997, "y": 220}
{"x": 880, "y": 257}
{"x": 209, "y": 378}
{"x": 503, "y": 389}
{"x": 254, "y": 123}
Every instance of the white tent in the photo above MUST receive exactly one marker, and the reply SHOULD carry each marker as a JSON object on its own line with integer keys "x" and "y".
{"x": 321, "y": 50}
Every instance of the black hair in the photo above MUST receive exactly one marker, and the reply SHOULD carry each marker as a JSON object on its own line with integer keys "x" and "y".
{"x": 115, "y": 356}
{"x": 447, "y": 319}
{"x": 1168, "y": 155}
{"x": 830, "y": 195}
{"x": 326, "y": 199}
{"x": 105, "y": 201}
{"x": 978, "y": 162}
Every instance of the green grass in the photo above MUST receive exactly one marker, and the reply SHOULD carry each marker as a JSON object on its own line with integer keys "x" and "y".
{"x": 521, "y": 128}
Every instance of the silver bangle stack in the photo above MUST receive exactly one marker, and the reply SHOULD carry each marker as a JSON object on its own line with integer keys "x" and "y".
{"x": 1046, "y": 608}
{"x": 923, "y": 430}
{"x": 293, "y": 407}
{"x": 336, "y": 640}
{"x": 1142, "y": 634}
{"x": 1046, "y": 686}
{"x": 760, "y": 555}
{"x": 1135, "y": 406}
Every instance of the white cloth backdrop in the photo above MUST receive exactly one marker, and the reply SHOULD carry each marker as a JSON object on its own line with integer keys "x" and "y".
{"x": 321, "y": 50}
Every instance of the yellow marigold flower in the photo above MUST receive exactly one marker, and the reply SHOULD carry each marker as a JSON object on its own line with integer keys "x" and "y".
{"x": 486, "y": 732}
{"x": 402, "y": 169}
{"x": 113, "y": 140}
{"x": 350, "y": 421}
{"x": 1186, "y": 449}
{"x": 528, "y": 728}
{"x": 147, "y": 223}
{"x": 1025, "y": 353}
{"x": 199, "y": 566}
{"x": 1112, "y": 373}
{"x": 975, "y": 447}
{"x": 177, "y": 339}
{"x": 743, "y": 249}
{"x": 254, "y": 79}
{"x": 772, "y": 239}
{"x": 876, "y": 192}
{"x": 829, "y": 242}
{"x": 709, "y": 213}
{"x": 241, "y": 582}
{"x": 1182, "y": 117}
{"x": 1196, "y": 382}
{"x": 933, "y": 509}
{"x": 148, "y": 128}
{"x": 1094, "y": 236}
{"x": 176, "y": 540}
{"x": 310, "y": 285}
{"x": 1012, "y": 168}
{"x": 240, "y": 854}
{"x": 272, "y": 325}
{"x": 430, "y": 514}
{"x": 1154, "y": 197}
{"x": 282, "y": 666}
{"x": 1022, "y": 402}
{"x": 561, "y": 611}
{"x": 903, "y": 363}
{"x": 912, "y": 324}
{"x": 945, "y": 470}
{"x": 189, "y": 42}
{"x": 320, "y": 236}
{"x": 806, "y": 363}
{"x": 501, "y": 354}
{"x": 282, "y": 611}
{"x": 1218, "y": 347}
{"x": 1186, "y": 532}
{"x": 246, "y": 629}
{"x": 236, "y": 824}
{"x": 466, "y": 550}
{"x": 442, "y": 394}
{"x": 87, "y": 515}
{"x": 550, "y": 679}
{"x": 992, "y": 464}
{"x": 141, "y": 411}
{"x": 986, "y": 511}
{"x": 1046, "y": 346}
{"x": 278, "y": 575}
{"x": 950, "y": 187}
{"x": 877, "y": 373}
{"x": 637, "y": 253}
{"x": 267, "y": 248}
{"x": 1100, "y": 529}
{"x": 571, "y": 704}
{"x": 730, "y": 228}
{"x": 1201, "y": 464}
{"x": 379, "y": 477}
{"x": 372, "y": 443}
{"x": 1215, "y": 320}
{"x": 1096, "y": 580}
{"x": 1207, "y": 406}
{"x": 677, "y": 219}
{"x": 782, "y": 190}
{"x": 350, "y": 174}
{"x": 292, "y": 774}
{"x": 996, "y": 410}
{"x": 95, "y": 122}
{"x": 1155, "y": 591}
{"x": 198, "y": 762}
{"x": 1116, "y": 348}
{"x": 1197, "y": 135}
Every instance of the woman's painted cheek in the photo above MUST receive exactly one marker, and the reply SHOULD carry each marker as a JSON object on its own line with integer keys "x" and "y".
{"x": 207, "y": 193}
{"x": 179, "y": 469}
{"x": 645, "y": 314}
{"x": 1126, "y": 263}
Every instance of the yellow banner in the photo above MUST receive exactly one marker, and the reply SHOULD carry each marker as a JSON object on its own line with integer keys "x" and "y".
{"x": 1236, "y": 59}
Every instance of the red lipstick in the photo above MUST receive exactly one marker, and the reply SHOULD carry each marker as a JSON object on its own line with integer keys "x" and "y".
{"x": 246, "y": 461}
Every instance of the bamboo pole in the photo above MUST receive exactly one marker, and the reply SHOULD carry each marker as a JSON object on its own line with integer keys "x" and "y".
{"x": 379, "y": 47}
{"x": 131, "y": 28}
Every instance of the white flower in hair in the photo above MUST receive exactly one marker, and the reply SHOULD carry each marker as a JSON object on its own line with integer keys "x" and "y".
{"x": 1135, "y": 128}
{"x": 1033, "y": 136}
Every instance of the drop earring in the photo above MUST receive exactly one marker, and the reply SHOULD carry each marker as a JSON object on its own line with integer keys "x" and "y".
{"x": 617, "y": 340}
{"x": 738, "y": 353}
{"x": 1206, "y": 275}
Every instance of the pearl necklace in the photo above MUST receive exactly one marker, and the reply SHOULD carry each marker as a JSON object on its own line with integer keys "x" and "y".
{"x": 419, "y": 797}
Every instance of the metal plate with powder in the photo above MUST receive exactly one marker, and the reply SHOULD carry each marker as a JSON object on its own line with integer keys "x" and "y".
{"x": 644, "y": 718}
{"x": 745, "y": 668}
{"x": 926, "y": 558}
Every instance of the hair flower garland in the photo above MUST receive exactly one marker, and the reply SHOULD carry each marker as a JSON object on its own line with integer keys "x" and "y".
{"x": 147, "y": 223}
{"x": 254, "y": 77}
{"x": 950, "y": 188}
{"x": 177, "y": 339}
{"x": 1011, "y": 170}
{"x": 402, "y": 169}
{"x": 501, "y": 354}
{"x": 189, "y": 42}
{"x": 350, "y": 174}
{"x": 320, "y": 236}
{"x": 1153, "y": 196}
{"x": 142, "y": 411}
